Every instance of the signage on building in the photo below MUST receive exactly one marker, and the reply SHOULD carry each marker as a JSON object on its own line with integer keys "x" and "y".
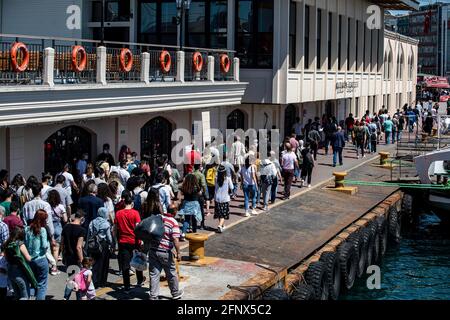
{"x": 346, "y": 86}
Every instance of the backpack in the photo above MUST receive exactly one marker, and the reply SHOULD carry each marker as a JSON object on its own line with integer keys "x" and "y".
{"x": 80, "y": 280}
{"x": 211, "y": 176}
{"x": 94, "y": 244}
{"x": 137, "y": 204}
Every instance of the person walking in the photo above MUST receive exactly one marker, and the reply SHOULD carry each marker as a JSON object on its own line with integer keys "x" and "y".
{"x": 37, "y": 244}
{"x": 224, "y": 186}
{"x": 307, "y": 167}
{"x": 288, "y": 163}
{"x": 72, "y": 237}
{"x": 31, "y": 207}
{"x": 59, "y": 217}
{"x": 268, "y": 173}
{"x": 249, "y": 184}
{"x": 388, "y": 126}
{"x": 314, "y": 139}
{"x": 124, "y": 225}
{"x": 90, "y": 204}
{"x": 161, "y": 257}
{"x": 360, "y": 138}
{"x": 190, "y": 208}
{"x": 278, "y": 178}
{"x": 349, "y": 125}
{"x": 338, "y": 144}
{"x": 99, "y": 245}
{"x": 18, "y": 258}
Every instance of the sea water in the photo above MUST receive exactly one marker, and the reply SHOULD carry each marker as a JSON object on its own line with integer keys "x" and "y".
{"x": 416, "y": 269}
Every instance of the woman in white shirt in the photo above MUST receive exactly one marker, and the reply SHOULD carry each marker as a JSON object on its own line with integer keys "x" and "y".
{"x": 224, "y": 186}
{"x": 249, "y": 184}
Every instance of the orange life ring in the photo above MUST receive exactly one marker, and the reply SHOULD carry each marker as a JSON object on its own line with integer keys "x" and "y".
{"x": 225, "y": 63}
{"x": 78, "y": 67}
{"x": 165, "y": 61}
{"x": 197, "y": 61}
{"x": 15, "y": 49}
{"x": 126, "y": 67}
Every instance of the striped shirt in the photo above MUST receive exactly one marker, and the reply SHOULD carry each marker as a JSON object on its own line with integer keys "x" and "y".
{"x": 172, "y": 231}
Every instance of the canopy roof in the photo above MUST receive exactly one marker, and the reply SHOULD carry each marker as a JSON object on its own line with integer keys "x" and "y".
{"x": 436, "y": 82}
{"x": 398, "y": 4}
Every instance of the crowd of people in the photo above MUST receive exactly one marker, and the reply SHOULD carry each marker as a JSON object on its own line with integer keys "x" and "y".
{"x": 86, "y": 214}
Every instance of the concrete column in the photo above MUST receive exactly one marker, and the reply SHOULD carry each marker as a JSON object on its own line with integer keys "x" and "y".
{"x": 145, "y": 67}
{"x": 180, "y": 66}
{"x": 211, "y": 68}
{"x": 49, "y": 66}
{"x": 236, "y": 64}
{"x": 101, "y": 65}
{"x": 230, "y": 24}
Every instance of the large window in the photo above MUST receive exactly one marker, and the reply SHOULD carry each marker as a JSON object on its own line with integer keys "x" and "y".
{"x": 330, "y": 34}
{"x": 339, "y": 43}
{"x": 306, "y": 44}
{"x": 319, "y": 38}
{"x": 349, "y": 37}
{"x": 292, "y": 34}
{"x": 206, "y": 23}
{"x": 357, "y": 45}
{"x": 254, "y": 33}
{"x": 115, "y": 10}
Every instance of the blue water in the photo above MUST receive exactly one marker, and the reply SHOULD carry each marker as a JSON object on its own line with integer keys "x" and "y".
{"x": 416, "y": 269}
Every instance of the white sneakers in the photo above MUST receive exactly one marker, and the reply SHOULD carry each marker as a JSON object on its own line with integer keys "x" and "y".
{"x": 254, "y": 212}
{"x": 247, "y": 213}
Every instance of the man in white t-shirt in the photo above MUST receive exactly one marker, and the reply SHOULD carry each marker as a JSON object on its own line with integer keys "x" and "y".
{"x": 288, "y": 163}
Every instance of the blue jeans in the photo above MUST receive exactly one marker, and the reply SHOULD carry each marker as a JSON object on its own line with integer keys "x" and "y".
{"x": 337, "y": 153}
{"x": 399, "y": 135}
{"x": 19, "y": 282}
{"x": 68, "y": 293}
{"x": 189, "y": 221}
{"x": 273, "y": 190}
{"x": 40, "y": 269}
{"x": 249, "y": 191}
{"x": 387, "y": 136}
{"x": 266, "y": 192}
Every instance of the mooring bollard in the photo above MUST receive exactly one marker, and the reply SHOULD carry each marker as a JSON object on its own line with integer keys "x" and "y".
{"x": 196, "y": 245}
{"x": 339, "y": 178}
{"x": 384, "y": 157}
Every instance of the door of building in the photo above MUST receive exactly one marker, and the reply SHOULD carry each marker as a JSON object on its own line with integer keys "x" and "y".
{"x": 156, "y": 138}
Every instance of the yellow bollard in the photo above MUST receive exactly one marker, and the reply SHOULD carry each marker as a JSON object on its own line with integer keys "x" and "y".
{"x": 197, "y": 245}
{"x": 384, "y": 157}
{"x": 339, "y": 184}
{"x": 339, "y": 179}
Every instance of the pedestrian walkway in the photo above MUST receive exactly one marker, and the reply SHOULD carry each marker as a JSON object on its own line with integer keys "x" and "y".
{"x": 281, "y": 237}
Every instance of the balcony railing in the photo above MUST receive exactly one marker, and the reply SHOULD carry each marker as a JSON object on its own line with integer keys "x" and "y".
{"x": 65, "y": 61}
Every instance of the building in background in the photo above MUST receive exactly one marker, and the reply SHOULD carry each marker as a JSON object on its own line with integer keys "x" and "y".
{"x": 430, "y": 25}
{"x": 324, "y": 61}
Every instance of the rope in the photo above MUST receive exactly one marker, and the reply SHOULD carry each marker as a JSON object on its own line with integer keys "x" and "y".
{"x": 399, "y": 185}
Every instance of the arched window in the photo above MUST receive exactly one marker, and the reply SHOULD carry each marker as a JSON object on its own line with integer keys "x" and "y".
{"x": 390, "y": 65}
{"x": 400, "y": 65}
{"x": 411, "y": 66}
{"x": 236, "y": 120}
{"x": 156, "y": 138}
{"x": 386, "y": 67}
{"x": 66, "y": 145}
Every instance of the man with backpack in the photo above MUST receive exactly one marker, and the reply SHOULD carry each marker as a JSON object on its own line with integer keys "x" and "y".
{"x": 360, "y": 137}
{"x": 140, "y": 195}
{"x": 314, "y": 140}
{"x": 163, "y": 190}
{"x": 373, "y": 136}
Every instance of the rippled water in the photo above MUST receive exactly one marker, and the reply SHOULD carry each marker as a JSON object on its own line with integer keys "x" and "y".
{"x": 417, "y": 269}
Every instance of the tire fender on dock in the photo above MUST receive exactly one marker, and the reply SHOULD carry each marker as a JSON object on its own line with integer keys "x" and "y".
{"x": 332, "y": 272}
{"x": 303, "y": 292}
{"x": 349, "y": 264}
{"x": 316, "y": 277}
{"x": 395, "y": 225}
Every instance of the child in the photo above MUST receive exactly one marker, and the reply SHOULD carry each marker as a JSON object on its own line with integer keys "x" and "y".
{"x": 85, "y": 274}
{"x": 3, "y": 277}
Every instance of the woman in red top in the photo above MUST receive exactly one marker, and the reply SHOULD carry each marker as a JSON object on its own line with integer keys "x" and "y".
{"x": 125, "y": 222}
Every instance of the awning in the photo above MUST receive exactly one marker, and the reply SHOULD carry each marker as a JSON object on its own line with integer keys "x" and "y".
{"x": 437, "y": 82}
{"x": 398, "y": 4}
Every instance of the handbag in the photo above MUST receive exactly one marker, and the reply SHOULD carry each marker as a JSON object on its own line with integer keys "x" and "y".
{"x": 139, "y": 261}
